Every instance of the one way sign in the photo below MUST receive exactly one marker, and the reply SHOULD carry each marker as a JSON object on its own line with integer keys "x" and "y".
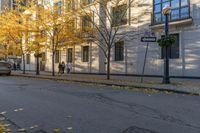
{"x": 148, "y": 39}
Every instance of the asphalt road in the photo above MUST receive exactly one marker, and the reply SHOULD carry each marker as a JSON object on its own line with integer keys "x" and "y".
{"x": 83, "y": 108}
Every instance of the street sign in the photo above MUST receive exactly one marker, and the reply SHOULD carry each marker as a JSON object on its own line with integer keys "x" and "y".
{"x": 148, "y": 39}
{"x": 149, "y": 36}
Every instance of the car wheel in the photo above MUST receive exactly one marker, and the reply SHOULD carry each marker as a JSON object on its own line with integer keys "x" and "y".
{"x": 9, "y": 74}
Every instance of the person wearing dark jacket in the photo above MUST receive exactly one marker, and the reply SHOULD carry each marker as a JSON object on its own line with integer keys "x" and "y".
{"x": 63, "y": 67}
{"x": 14, "y": 67}
{"x": 59, "y": 68}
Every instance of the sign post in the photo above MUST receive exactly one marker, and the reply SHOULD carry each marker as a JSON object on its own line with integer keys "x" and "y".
{"x": 148, "y": 37}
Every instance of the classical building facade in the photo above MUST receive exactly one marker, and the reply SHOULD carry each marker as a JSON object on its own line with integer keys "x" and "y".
{"x": 7, "y": 4}
{"x": 143, "y": 18}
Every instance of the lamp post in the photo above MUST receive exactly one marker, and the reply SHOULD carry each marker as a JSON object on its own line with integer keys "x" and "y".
{"x": 166, "y": 11}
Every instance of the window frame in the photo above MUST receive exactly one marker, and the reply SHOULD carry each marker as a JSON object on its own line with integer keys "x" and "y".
{"x": 86, "y": 2}
{"x": 86, "y": 22}
{"x": 14, "y": 4}
{"x": 58, "y": 5}
{"x": 170, "y": 16}
{"x": 28, "y": 59}
{"x": 119, "y": 51}
{"x": 122, "y": 21}
{"x": 70, "y": 5}
{"x": 43, "y": 56}
{"x": 70, "y": 58}
{"x": 85, "y": 57}
{"x": 57, "y": 56}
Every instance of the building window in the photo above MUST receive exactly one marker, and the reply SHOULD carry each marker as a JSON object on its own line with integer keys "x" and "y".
{"x": 28, "y": 58}
{"x": 72, "y": 24}
{"x": 173, "y": 51}
{"x": 69, "y": 55}
{"x": 57, "y": 56}
{"x": 43, "y": 57}
{"x": 85, "y": 53}
{"x": 180, "y": 10}
{"x": 16, "y": 3}
{"x": 119, "y": 51}
{"x": 86, "y": 23}
{"x": 86, "y": 2}
{"x": 119, "y": 15}
{"x": 70, "y": 4}
{"x": 58, "y": 7}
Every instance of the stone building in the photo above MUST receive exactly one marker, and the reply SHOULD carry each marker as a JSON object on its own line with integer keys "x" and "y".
{"x": 143, "y": 16}
{"x": 5, "y": 4}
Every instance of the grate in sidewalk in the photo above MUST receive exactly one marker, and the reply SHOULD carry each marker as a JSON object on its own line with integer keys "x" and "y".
{"x": 134, "y": 129}
{"x": 40, "y": 131}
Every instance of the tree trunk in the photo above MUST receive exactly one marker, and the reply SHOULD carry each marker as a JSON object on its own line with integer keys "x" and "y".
{"x": 24, "y": 67}
{"x": 37, "y": 65}
{"x": 53, "y": 64}
{"x": 108, "y": 65}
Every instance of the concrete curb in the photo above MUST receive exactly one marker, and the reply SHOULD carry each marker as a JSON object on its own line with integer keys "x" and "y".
{"x": 167, "y": 88}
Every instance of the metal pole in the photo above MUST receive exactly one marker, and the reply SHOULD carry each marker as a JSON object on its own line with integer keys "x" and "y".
{"x": 145, "y": 57}
{"x": 166, "y": 79}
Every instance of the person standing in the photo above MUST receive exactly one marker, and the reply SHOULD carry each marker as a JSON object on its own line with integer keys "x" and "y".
{"x": 18, "y": 66}
{"x": 14, "y": 67}
{"x": 59, "y": 68}
{"x": 63, "y": 67}
{"x": 69, "y": 67}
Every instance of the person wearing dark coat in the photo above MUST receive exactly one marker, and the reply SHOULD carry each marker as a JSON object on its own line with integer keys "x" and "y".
{"x": 18, "y": 66}
{"x": 14, "y": 67}
{"x": 63, "y": 67}
{"x": 59, "y": 68}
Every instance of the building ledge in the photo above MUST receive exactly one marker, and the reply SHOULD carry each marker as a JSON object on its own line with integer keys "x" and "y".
{"x": 172, "y": 23}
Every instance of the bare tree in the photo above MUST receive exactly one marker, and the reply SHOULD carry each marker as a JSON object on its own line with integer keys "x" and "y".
{"x": 107, "y": 24}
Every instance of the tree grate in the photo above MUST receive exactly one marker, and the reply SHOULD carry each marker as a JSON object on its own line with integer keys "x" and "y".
{"x": 134, "y": 129}
{"x": 40, "y": 131}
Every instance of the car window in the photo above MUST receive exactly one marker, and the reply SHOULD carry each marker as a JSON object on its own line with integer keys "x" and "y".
{"x": 4, "y": 64}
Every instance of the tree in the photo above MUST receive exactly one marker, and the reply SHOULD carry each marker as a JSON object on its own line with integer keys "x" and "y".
{"x": 106, "y": 25}
{"x": 12, "y": 29}
{"x": 7, "y": 48}
{"x": 57, "y": 25}
{"x": 36, "y": 43}
{"x": 48, "y": 28}
{"x": 35, "y": 37}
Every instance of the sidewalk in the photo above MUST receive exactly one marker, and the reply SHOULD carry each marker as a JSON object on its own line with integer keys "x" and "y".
{"x": 178, "y": 85}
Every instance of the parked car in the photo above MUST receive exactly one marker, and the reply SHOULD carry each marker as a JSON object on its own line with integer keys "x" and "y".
{"x": 5, "y": 68}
